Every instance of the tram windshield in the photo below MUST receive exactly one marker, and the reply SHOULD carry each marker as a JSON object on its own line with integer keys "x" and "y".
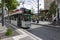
{"x": 26, "y": 14}
{"x": 27, "y": 17}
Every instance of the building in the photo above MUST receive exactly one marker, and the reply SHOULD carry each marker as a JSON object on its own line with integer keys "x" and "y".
{"x": 47, "y": 4}
{"x": 58, "y": 9}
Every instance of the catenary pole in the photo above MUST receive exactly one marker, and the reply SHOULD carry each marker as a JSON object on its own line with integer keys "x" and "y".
{"x": 38, "y": 10}
{"x": 2, "y": 12}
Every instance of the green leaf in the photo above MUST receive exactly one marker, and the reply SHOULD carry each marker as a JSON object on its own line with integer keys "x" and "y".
{"x": 11, "y": 4}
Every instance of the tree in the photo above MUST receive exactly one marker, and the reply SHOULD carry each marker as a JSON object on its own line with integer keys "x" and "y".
{"x": 40, "y": 12}
{"x": 11, "y": 5}
{"x": 52, "y": 9}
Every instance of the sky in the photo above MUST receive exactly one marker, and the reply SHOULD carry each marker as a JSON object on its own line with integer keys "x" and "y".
{"x": 0, "y": 1}
{"x": 29, "y": 4}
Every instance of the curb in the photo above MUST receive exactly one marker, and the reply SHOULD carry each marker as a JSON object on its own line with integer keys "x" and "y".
{"x": 30, "y": 34}
{"x": 47, "y": 25}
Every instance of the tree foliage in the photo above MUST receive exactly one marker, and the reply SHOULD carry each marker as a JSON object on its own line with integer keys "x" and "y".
{"x": 11, "y": 4}
{"x": 52, "y": 9}
{"x": 41, "y": 13}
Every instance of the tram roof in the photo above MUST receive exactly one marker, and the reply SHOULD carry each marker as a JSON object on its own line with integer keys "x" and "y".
{"x": 13, "y": 14}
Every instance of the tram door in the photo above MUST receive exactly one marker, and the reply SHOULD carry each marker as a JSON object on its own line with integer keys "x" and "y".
{"x": 19, "y": 23}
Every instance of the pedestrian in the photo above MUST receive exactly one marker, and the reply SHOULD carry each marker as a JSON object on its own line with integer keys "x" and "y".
{"x": 37, "y": 20}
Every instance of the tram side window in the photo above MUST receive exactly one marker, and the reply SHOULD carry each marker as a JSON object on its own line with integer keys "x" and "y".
{"x": 25, "y": 18}
{"x": 13, "y": 18}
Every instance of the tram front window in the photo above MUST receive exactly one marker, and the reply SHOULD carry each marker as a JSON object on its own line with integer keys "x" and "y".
{"x": 27, "y": 17}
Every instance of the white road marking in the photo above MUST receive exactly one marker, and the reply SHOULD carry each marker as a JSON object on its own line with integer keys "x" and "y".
{"x": 19, "y": 37}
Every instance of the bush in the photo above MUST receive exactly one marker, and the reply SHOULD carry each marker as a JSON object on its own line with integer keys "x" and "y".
{"x": 9, "y": 32}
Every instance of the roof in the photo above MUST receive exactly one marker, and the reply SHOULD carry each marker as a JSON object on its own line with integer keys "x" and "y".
{"x": 45, "y": 11}
{"x": 13, "y": 14}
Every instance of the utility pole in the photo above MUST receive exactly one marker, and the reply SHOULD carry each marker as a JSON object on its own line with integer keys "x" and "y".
{"x": 23, "y": 3}
{"x": 2, "y": 12}
{"x": 38, "y": 10}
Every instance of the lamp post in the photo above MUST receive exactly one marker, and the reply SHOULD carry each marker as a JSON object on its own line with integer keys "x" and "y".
{"x": 2, "y": 12}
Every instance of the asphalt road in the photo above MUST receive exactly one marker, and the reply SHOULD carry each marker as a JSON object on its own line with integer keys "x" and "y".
{"x": 44, "y": 32}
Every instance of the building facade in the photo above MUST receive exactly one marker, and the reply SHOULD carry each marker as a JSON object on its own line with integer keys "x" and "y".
{"x": 58, "y": 9}
{"x": 47, "y": 4}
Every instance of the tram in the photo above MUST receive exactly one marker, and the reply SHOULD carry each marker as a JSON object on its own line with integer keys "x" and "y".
{"x": 21, "y": 19}
{"x": 26, "y": 20}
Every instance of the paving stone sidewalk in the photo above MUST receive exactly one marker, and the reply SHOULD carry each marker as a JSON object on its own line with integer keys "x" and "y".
{"x": 2, "y": 28}
{"x": 24, "y": 36}
{"x": 47, "y": 23}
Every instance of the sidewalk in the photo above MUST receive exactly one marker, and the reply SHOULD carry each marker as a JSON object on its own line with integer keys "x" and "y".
{"x": 46, "y": 23}
{"x": 24, "y": 36}
{"x": 42, "y": 22}
{"x": 2, "y": 29}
